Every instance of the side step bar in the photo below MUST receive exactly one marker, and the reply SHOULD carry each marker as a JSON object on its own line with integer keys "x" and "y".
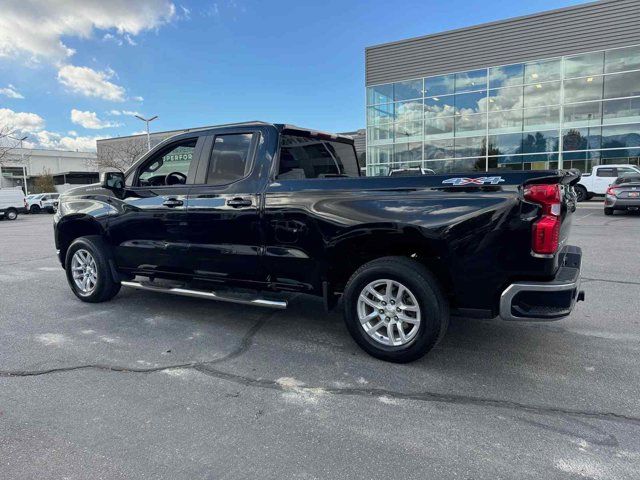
{"x": 210, "y": 295}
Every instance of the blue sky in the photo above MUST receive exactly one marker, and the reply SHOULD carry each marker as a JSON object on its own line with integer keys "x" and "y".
{"x": 192, "y": 63}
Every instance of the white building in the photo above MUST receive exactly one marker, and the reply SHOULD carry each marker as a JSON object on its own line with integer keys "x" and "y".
{"x": 67, "y": 168}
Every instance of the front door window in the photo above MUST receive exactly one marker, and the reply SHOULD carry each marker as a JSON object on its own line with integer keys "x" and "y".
{"x": 170, "y": 166}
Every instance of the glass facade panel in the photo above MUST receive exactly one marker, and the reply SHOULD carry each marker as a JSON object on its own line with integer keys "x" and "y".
{"x": 470, "y": 146}
{"x": 380, "y": 114}
{"x": 584, "y": 64}
{"x": 544, "y": 118}
{"x": 469, "y": 103}
{"x": 472, "y": 80}
{"x": 452, "y": 123}
{"x": 543, "y": 70}
{"x": 505, "y": 144}
{"x": 583, "y": 89}
{"x": 541, "y": 94}
{"x": 439, "y": 106}
{"x": 506, "y": 75}
{"x": 622, "y": 59}
{"x": 581, "y": 138}
{"x": 380, "y": 134}
{"x": 621, "y": 111}
{"x": 588, "y": 113}
{"x": 622, "y": 85}
{"x": 441, "y": 85}
{"x": 505, "y": 122}
{"x": 540, "y": 142}
{"x": 621, "y": 136}
{"x": 408, "y": 131}
{"x": 434, "y": 149}
{"x": 438, "y": 127}
{"x": 470, "y": 124}
{"x": 411, "y": 110}
{"x": 505, "y": 98}
{"x": 407, "y": 90}
{"x": 380, "y": 94}
{"x": 407, "y": 153}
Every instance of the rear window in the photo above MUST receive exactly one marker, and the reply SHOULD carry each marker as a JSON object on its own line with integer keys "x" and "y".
{"x": 628, "y": 178}
{"x": 304, "y": 157}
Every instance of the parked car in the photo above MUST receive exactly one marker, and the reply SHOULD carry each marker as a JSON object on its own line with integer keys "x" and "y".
{"x": 248, "y": 212}
{"x": 12, "y": 202}
{"x": 42, "y": 201}
{"x": 623, "y": 194}
{"x": 597, "y": 182}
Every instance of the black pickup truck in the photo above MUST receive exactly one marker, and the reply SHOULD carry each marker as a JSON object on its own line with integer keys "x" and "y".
{"x": 248, "y": 212}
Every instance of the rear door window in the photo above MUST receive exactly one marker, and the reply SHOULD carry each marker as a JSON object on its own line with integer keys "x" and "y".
{"x": 304, "y": 157}
{"x": 607, "y": 172}
{"x": 230, "y": 158}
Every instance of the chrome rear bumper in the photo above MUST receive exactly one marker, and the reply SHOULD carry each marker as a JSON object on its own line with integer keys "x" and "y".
{"x": 545, "y": 301}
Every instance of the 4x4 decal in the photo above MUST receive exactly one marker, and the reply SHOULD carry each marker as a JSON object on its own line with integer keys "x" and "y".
{"x": 474, "y": 181}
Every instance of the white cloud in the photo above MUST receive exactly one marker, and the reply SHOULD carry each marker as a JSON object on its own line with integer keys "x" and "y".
{"x": 137, "y": 99}
{"x": 117, "y": 113}
{"x": 11, "y": 92}
{"x": 90, "y": 120}
{"x": 88, "y": 82}
{"x": 37, "y": 27}
{"x": 55, "y": 141}
{"x": 20, "y": 121}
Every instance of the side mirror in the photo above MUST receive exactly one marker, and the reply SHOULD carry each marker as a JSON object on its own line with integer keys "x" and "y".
{"x": 112, "y": 180}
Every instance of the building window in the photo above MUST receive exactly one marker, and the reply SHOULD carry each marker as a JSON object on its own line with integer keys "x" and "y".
{"x": 574, "y": 111}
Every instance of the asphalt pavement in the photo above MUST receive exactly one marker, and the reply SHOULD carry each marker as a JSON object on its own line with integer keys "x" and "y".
{"x": 154, "y": 386}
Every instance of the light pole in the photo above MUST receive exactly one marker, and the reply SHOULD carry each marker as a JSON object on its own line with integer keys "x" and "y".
{"x": 147, "y": 120}
{"x": 24, "y": 168}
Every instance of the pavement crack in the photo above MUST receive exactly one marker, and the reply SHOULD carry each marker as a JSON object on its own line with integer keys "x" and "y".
{"x": 431, "y": 397}
{"x": 622, "y": 282}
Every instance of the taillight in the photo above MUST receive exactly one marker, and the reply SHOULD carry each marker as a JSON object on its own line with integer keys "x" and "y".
{"x": 612, "y": 191}
{"x": 545, "y": 234}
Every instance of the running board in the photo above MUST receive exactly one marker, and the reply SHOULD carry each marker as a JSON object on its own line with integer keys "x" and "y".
{"x": 210, "y": 295}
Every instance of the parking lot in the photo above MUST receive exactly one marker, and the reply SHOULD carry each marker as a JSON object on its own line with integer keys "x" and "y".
{"x": 153, "y": 386}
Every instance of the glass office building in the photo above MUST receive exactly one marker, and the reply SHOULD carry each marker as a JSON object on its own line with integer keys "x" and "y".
{"x": 569, "y": 112}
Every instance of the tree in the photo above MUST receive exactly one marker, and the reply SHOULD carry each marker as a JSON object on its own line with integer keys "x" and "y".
{"x": 44, "y": 183}
{"x": 7, "y": 143}
{"x": 121, "y": 154}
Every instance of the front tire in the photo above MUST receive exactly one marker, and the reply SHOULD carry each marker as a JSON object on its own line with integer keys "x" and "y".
{"x": 11, "y": 214}
{"x": 88, "y": 270}
{"x": 608, "y": 211}
{"x": 581, "y": 193}
{"x": 395, "y": 310}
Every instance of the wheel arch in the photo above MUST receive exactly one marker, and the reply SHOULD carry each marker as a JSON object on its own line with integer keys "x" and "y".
{"x": 74, "y": 226}
{"x": 361, "y": 247}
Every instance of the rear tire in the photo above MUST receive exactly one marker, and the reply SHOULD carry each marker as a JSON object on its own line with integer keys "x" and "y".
{"x": 608, "y": 211}
{"x": 581, "y": 193}
{"x": 11, "y": 214}
{"x": 426, "y": 307}
{"x": 88, "y": 270}
{"x": 34, "y": 209}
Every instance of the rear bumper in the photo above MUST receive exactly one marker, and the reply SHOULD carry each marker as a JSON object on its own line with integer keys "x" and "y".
{"x": 545, "y": 301}
{"x": 621, "y": 203}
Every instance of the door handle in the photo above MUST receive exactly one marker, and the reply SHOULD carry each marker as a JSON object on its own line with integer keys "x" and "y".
{"x": 239, "y": 202}
{"x": 172, "y": 202}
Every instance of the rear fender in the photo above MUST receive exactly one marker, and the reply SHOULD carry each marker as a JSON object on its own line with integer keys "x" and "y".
{"x": 366, "y": 243}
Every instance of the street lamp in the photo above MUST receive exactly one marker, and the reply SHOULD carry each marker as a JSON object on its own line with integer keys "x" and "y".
{"x": 24, "y": 168}
{"x": 147, "y": 120}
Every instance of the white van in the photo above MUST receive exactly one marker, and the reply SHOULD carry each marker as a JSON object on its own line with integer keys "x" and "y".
{"x": 12, "y": 202}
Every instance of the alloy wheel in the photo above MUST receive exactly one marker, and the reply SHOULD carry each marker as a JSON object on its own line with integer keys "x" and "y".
{"x": 389, "y": 313}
